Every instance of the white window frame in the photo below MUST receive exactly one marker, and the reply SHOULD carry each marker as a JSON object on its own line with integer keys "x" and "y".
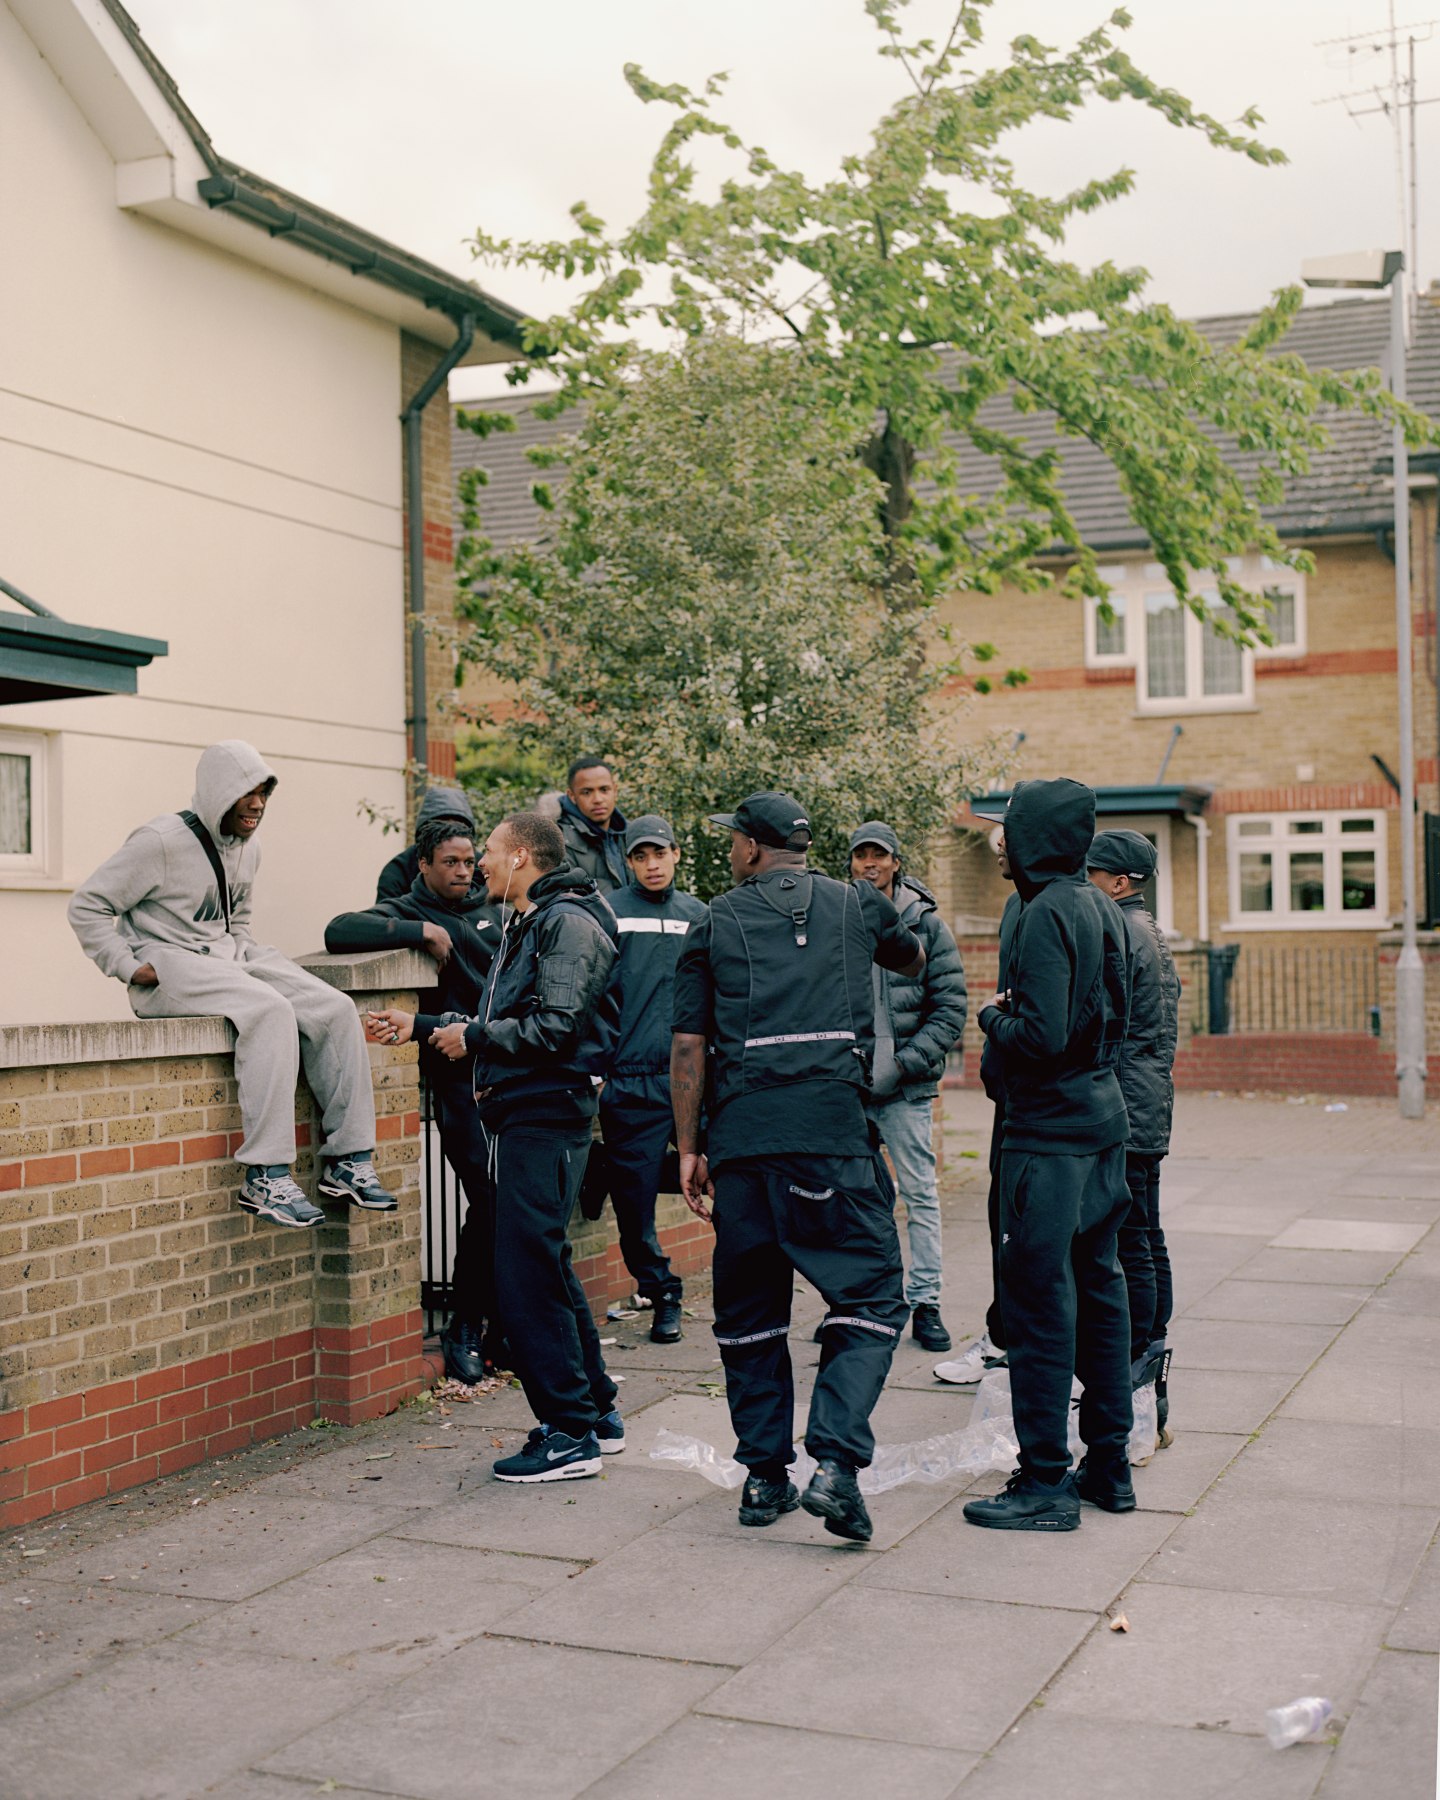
{"x": 1129, "y": 583}
{"x": 37, "y": 865}
{"x": 1330, "y": 841}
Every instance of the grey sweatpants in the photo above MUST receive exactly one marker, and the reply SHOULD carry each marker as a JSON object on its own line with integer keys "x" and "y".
{"x": 280, "y": 1015}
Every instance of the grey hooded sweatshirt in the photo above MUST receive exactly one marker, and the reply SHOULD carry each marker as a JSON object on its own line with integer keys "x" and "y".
{"x": 158, "y": 889}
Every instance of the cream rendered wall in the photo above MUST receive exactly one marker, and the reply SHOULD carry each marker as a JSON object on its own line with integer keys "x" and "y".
{"x": 194, "y": 449}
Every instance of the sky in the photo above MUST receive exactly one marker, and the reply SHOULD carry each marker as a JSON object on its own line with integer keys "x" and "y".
{"x": 426, "y": 120}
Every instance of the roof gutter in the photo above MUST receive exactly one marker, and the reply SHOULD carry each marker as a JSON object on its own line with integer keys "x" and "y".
{"x": 415, "y": 529}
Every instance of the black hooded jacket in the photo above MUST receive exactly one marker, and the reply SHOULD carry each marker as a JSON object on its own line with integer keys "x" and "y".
{"x": 1148, "y": 1056}
{"x": 1058, "y": 1039}
{"x": 595, "y": 850}
{"x": 547, "y": 1016}
{"x": 398, "y": 875}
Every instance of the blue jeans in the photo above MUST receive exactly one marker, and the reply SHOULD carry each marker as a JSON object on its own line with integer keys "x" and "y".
{"x": 906, "y": 1129}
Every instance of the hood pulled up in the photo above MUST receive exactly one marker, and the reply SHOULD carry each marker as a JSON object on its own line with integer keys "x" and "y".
{"x": 1049, "y": 827}
{"x": 225, "y": 773}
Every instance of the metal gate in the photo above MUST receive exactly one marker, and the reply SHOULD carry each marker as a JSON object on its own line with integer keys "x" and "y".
{"x": 442, "y": 1210}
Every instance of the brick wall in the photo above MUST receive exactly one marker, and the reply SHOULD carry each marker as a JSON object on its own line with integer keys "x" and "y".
{"x": 145, "y": 1321}
{"x": 1389, "y": 954}
{"x": 417, "y": 359}
{"x": 595, "y": 1246}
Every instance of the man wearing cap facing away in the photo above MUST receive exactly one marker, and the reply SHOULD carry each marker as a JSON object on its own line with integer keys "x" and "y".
{"x": 918, "y": 1022}
{"x": 775, "y": 985}
{"x": 652, "y": 917}
{"x": 1120, "y": 863}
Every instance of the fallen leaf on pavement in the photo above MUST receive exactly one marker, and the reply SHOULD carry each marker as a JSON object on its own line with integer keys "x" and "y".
{"x": 1119, "y": 1623}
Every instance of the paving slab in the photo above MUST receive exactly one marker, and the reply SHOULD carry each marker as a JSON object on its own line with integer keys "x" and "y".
{"x": 1225, "y": 1400}
{"x": 1416, "y": 1626}
{"x": 228, "y": 1549}
{"x": 391, "y": 1603}
{"x": 718, "y": 1759}
{"x": 1341, "y": 1550}
{"x": 1396, "y": 1181}
{"x": 1372, "y": 1465}
{"x": 814, "y": 1677}
{"x": 1391, "y": 1337}
{"x": 1108, "y": 1759}
{"x": 1205, "y": 1260}
{"x": 1231, "y": 1219}
{"x": 1351, "y": 1390}
{"x": 703, "y": 1599}
{"x": 1079, "y": 1570}
{"x": 529, "y": 1721}
{"x": 1350, "y": 1234}
{"x": 1202, "y": 1657}
{"x": 578, "y": 1521}
{"x": 49, "y": 1634}
{"x": 1277, "y": 1348}
{"x": 894, "y": 1515}
{"x": 1280, "y": 1303}
{"x": 1388, "y": 1745}
{"x": 398, "y": 1472}
{"x": 1406, "y": 1293}
{"x": 1345, "y": 1268}
{"x": 117, "y": 1730}
{"x": 1174, "y": 1479}
{"x": 1411, "y": 1201}
{"x": 254, "y": 1784}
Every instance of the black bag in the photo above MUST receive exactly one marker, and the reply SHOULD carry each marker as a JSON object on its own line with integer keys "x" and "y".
{"x": 207, "y": 844}
{"x": 595, "y": 1184}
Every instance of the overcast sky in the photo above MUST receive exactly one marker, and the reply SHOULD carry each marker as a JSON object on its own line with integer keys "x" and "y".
{"x": 427, "y": 119}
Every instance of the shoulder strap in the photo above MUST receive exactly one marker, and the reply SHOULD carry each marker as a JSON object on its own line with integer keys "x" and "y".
{"x": 207, "y": 844}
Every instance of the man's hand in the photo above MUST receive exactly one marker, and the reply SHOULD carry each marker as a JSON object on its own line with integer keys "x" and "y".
{"x": 390, "y": 1026}
{"x": 449, "y": 1040}
{"x": 695, "y": 1183}
{"x": 437, "y": 943}
{"x": 1000, "y": 1000}
{"x": 145, "y": 976}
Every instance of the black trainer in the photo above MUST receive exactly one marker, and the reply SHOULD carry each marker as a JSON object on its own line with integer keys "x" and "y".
{"x": 666, "y": 1327}
{"x": 550, "y": 1455}
{"x": 928, "y": 1328}
{"x": 762, "y": 1501}
{"x": 1025, "y": 1504}
{"x": 1109, "y": 1487}
{"x": 834, "y": 1496}
{"x": 464, "y": 1359}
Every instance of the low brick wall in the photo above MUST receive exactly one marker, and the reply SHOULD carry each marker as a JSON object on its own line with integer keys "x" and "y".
{"x": 145, "y": 1321}
{"x": 595, "y": 1245}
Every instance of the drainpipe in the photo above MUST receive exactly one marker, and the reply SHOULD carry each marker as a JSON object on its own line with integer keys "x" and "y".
{"x": 415, "y": 517}
{"x": 1202, "y": 876}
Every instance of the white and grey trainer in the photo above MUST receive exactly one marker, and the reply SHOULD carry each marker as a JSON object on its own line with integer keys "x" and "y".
{"x": 353, "y": 1178}
{"x": 973, "y": 1363}
{"x": 272, "y": 1193}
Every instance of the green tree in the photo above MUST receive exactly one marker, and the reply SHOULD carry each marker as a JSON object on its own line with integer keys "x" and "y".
{"x": 923, "y": 279}
{"x": 709, "y": 613}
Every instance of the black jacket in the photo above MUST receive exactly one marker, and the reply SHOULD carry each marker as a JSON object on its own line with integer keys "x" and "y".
{"x": 991, "y": 1076}
{"x": 398, "y": 875}
{"x": 547, "y": 1019}
{"x": 926, "y": 1011}
{"x": 653, "y": 929}
{"x": 599, "y": 854}
{"x": 1058, "y": 1039}
{"x": 1148, "y": 1055}
{"x": 474, "y": 927}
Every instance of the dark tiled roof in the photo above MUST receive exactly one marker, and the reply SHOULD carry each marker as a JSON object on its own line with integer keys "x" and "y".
{"x": 1342, "y": 493}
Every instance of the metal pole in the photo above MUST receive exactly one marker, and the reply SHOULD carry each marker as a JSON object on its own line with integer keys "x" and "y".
{"x": 1410, "y": 972}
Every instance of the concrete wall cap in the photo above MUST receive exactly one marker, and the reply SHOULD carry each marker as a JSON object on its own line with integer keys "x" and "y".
{"x": 372, "y": 971}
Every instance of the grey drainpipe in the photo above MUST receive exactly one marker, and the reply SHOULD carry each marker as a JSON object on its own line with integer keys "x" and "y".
{"x": 415, "y": 518}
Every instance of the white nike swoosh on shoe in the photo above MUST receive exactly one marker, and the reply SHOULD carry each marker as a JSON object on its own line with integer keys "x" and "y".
{"x": 554, "y": 1455}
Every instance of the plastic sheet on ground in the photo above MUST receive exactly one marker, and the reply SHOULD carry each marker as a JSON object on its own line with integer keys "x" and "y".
{"x": 986, "y": 1443}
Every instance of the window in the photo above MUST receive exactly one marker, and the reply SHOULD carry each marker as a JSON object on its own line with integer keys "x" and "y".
{"x": 1181, "y": 663}
{"x": 24, "y": 845}
{"x": 1307, "y": 869}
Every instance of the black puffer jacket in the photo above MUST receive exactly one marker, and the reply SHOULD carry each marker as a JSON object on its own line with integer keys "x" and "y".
{"x": 547, "y": 1014}
{"x": 927, "y": 1011}
{"x": 1148, "y": 1054}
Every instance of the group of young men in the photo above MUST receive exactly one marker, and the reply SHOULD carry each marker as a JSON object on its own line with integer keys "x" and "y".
{"x": 587, "y": 1015}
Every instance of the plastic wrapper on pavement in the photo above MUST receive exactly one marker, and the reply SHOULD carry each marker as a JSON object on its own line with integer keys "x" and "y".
{"x": 986, "y": 1443}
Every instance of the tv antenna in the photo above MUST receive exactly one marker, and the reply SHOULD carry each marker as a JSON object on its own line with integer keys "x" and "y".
{"x": 1395, "y": 94}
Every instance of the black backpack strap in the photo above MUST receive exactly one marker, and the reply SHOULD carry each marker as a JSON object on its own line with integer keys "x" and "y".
{"x": 207, "y": 844}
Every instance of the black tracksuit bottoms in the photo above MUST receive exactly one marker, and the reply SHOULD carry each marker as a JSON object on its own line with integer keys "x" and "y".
{"x": 638, "y": 1124}
{"x": 1065, "y": 1306}
{"x": 462, "y": 1138}
{"x": 994, "y": 1316}
{"x": 1144, "y": 1256}
{"x": 556, "y": 1348}
{"x": 832, "y": 1218}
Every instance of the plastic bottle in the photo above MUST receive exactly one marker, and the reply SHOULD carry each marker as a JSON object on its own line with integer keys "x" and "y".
{"x": 1286, "y": 1725}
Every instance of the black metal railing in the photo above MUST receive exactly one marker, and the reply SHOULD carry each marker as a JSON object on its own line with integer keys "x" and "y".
{"x": 1290, "y": 987}
{"x": 442, "y": 1207}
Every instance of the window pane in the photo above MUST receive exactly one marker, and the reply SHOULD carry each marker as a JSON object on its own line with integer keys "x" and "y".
{"x": 1256, "y": 890}
{"x": 14, "y": 805}
{"x": 1110, "y": 639}
{"x": 1307, "y": 882}
{"x": 1164, "y": 647}
{"x": 1306, "y": 827}
{"x": 1357, "y": 881}
{"x": 1112, "y": 574}
{"x": 1357, "y": 825}
{"x": 1282, "y": 614}
{"x": 1224, "y": 661}
{"x": 1253, "y": 828}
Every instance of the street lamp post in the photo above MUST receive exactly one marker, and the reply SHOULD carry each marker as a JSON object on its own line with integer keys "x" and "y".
{"x": 1382, "y": 269}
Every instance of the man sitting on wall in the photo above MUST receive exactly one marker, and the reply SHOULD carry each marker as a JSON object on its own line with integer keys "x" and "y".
{"x": 169, "y": 915}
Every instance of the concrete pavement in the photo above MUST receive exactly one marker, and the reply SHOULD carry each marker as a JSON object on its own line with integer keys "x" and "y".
{"x": 368, "y": 1613}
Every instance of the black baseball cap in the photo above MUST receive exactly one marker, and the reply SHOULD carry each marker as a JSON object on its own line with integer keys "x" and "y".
{"x": 1122, "y": 852}
{"x": 875, "y": 831}
{"x": 649, "y": 828}
{"x": 774, "y": 819}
